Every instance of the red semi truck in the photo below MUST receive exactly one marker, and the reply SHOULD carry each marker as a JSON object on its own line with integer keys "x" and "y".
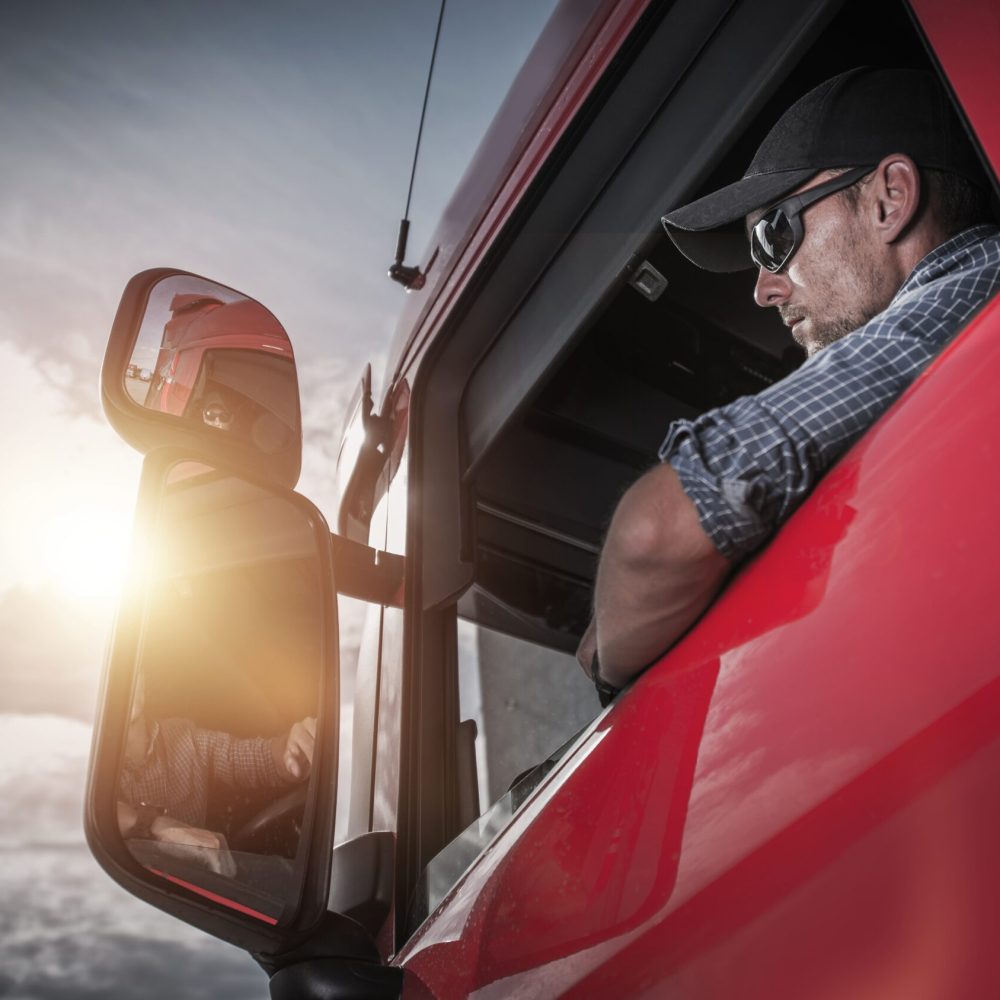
{"x": 799, "y": 798}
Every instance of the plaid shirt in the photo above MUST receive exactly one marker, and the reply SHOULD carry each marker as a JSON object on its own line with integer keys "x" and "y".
{"x": 182, "y": 762}
{"x": 747, "y": 465}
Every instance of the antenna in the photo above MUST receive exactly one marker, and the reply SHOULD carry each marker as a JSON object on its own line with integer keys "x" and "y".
{"x": 409, "y": 276}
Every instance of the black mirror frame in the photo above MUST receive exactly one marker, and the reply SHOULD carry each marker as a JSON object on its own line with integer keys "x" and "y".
{"x": 100, "y": 816}
{"x": 146, "y": 430}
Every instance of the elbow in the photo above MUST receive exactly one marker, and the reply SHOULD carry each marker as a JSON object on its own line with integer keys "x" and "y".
{"x": 656, "y": 530}
{"x": 658, "y": 572}
{"x": 638, "y": 537}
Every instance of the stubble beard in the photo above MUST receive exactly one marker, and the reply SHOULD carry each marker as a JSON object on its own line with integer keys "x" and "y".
{"x": 854, "y": 289}
{"x": 824, "y": 334}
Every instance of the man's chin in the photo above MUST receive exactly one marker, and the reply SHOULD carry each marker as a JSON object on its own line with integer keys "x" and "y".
{"x": 814, "y": 338}
{"x": 802, "y": 335}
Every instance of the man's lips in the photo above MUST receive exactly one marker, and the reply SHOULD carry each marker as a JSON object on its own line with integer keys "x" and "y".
{"x": 790, "y": 319}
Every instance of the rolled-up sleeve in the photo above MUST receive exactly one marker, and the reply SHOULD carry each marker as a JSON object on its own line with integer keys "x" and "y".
{"x": 748, "y": 465}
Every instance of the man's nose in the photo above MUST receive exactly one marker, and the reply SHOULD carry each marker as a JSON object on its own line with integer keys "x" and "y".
{"x": 771, "y": 289}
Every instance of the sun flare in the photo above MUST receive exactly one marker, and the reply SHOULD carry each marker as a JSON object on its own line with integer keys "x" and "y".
{"x": 85, "y": 552}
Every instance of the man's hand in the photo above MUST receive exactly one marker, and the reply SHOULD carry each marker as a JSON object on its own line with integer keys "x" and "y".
{"x": 191, "y": 843}
{"x": 297, "y": 753}
{"x": 658, "y": 572}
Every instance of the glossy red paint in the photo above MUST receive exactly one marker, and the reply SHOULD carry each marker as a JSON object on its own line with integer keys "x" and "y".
{"x": 969, "y": 60}
{"x": 811, "y": 810}
{"x": 579, "y": 41}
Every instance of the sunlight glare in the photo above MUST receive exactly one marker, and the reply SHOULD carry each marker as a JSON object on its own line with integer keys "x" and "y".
{"x": 85, "y": 552}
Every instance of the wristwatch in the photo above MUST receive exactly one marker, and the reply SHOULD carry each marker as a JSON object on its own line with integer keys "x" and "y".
{"x": 605, "y": 692}
{"x": 145, "y": 816}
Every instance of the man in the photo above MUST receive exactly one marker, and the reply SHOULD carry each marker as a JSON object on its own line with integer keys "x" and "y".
{"x": 170, "y": 766}
{"x": 864, "y": 211}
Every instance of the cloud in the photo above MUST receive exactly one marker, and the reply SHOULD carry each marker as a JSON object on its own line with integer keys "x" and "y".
{"x": 56, "y": 466}
{"x": 81, "y": 965}
{"x": 223, "y": 140}
{"x": 74, "y": 933}
{"x": 51, "y": 654}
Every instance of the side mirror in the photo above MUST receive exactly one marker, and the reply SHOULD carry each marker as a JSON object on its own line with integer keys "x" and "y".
{"x": 195, "y": 365}
{"x": 212, "y": 786}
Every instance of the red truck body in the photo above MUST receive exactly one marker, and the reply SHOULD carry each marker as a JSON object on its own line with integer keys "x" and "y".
{"x": 797, "y": 799}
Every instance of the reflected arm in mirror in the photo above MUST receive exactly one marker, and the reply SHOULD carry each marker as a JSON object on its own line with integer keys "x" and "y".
{"x": 176, "y": 763}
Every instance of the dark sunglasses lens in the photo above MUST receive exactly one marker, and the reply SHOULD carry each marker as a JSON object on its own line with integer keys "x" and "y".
{"x": 772, "y": 241}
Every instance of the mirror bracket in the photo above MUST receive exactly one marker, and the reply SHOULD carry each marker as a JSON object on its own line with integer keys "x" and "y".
{"x": 364, "y": 451}
{"x": 336, "y": 979}
{"x": 368, "y": 574}
{"x": 335, "y": 938}
{"x": 361, "y": 878}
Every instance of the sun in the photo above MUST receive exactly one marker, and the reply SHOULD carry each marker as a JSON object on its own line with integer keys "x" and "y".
{"x": 85, "y": 551}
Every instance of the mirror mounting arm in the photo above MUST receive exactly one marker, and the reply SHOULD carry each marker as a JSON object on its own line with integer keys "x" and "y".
{"x": 336, "y": 979}
{"x": 368, "y": 574}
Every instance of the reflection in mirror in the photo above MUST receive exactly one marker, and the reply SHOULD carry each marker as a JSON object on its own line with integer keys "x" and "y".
{"x": 213, "y": 784}
{"x": 210, "y": 355}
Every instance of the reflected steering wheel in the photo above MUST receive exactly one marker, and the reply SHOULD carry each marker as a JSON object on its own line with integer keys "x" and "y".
{"x": 271, "y": 814}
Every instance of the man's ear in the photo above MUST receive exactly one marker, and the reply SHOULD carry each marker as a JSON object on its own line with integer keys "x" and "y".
{"x": 895, "y": 196}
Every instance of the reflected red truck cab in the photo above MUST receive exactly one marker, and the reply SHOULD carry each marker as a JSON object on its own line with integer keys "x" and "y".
{"x": 799, "y": 798}
{"x": 202, "y": 325}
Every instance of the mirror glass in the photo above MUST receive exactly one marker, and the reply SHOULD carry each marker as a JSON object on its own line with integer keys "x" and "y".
{"x": 208, "y": 354}
{"x": 213, "y": 785}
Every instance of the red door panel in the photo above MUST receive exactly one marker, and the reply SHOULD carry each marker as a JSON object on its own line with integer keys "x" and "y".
{"x": 797, "y": 799}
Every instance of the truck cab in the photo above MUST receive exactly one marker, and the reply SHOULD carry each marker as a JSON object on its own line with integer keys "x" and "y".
{"x": 795, "y": 799}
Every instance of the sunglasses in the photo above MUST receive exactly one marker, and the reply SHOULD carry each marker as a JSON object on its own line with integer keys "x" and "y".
{"x": 779, "y": 233}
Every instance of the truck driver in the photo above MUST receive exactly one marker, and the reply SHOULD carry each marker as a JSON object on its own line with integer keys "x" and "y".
{"x": 867, "y": 215}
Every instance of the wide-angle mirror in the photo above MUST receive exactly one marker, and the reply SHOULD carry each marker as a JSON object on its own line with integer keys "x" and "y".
{"x": 194, "y": 364}
{"x": 223, "y": 734}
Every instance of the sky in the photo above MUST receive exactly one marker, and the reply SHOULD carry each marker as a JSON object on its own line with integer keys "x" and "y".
{"x": 268, "y": 146}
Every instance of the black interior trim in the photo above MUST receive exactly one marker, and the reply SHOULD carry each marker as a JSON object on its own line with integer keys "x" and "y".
{"x": 700, "y": 114}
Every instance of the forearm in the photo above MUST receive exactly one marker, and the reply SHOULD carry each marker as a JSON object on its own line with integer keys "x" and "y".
{"x": 239, "y": 762}
{"x": 658, "y": 572}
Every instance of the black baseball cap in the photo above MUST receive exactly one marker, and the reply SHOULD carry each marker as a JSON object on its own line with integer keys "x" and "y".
{"x": 853, "y": 119}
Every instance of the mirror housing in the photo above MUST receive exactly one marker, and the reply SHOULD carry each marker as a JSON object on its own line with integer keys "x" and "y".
{"x": 200, "y": 529}
{"x": 195, "y": 365}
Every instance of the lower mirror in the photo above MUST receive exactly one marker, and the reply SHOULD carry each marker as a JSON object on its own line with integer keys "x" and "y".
{"x": 215, "y": 782}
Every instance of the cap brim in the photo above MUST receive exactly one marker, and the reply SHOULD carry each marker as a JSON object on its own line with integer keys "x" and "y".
{"x": 710, "y": 231}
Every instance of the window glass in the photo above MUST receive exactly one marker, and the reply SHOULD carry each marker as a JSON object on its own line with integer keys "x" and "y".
{"x": 448, "y": 866}
{"x": 526, "y": 700}
{"x": 530, "y": 704}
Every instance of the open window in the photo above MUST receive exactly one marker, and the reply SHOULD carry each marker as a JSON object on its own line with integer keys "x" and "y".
{"x": 573, "y": 358}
